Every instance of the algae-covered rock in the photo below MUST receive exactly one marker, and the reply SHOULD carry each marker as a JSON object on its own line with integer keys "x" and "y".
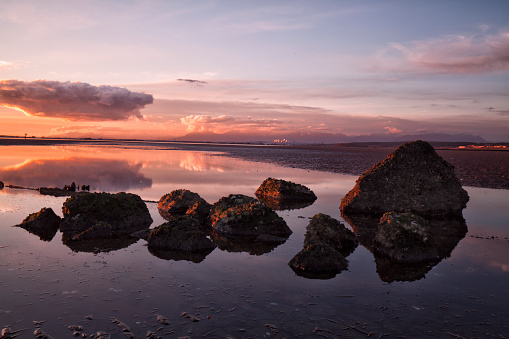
{"x": 44, "y": 224}
{"x": 326, "y": 243}
{"x": 183, "y": 202}
{"x": 405, "y": 237}
{"x": 323, "y": 229}
{"x": 281, "y": 194}
{"x": 413, "y": 178}
{"x": 181, "y": 234}
{"x": 44, "y": 219}
{"x": 103, "y": 215}
{"x": 318, "y": 259}
{"x": 240, "y": 215}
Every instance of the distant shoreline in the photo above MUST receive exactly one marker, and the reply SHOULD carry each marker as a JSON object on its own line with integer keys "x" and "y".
{"x": 486, "y": 168}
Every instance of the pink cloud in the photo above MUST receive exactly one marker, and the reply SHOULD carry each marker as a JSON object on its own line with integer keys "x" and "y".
{"x": 393, "y": 130}
{"x": 225, "y": 123}
{"x": 454, "y": 54}
{"x": 77, "y": 101}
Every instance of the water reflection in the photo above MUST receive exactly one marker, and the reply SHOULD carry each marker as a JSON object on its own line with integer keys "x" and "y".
{"x": 253, "y": 246}
{"x": 45, "y": 234}
{"x": 101, "y": 174}
{"x": 102, "y": 245}
{"x": 279, "y": 205}
{"x": 447, "y": 232}
{"x": 195, "y": 257}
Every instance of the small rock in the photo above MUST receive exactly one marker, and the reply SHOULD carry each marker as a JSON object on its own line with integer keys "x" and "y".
{"x": 189, "y": 316}
{"x": 281, "y": 194}
{"x": 39, "y": 333}
{"x": 162, "y": 320}
{"x": 44, "y": 219}
{"x": 323, "y": 229}
{"x": 318, "y": 258}
{"x": 183, "y": 202}
{"x": 181, "y": 234}
{"x": 240, "y": 215}
{"x": 75, "y": 327}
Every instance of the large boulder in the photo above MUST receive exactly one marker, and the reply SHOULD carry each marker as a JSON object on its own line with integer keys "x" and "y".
{"x": 326, "y": 243}
{"x": 281, "y": 194}
{"x": 240, "y": 215}
{"x": 44, "y": 223}
{"x": 180, "y": 234}
{"x": 405, "y": 237}
{"x": 413, "y": 178}
{"x": 103, "y": 215}
{"x": 183, "y": 202}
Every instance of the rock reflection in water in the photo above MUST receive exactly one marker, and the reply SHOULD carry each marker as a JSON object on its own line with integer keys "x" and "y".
{"x": 279, "y": 205}
{"x": 196, "y": 257}
{"x": 99, "y": 245}
{"x": 447, "y": 233}
{"x": 100, "y": 174}
{"x": 43, "y": 234}
{"x": 252, "y": 245}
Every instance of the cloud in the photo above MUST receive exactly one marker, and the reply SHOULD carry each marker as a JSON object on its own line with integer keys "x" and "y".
{"x": 192, "y": 81}
{"x": 225, "y": 123}
{"x": 6, "y": 65}
{"x": 451, "y": 54}
{"x": 393, "y": 130}
{"x": 497, "y": 111}
{"x": 102, "y": 174}
{"x": 77, "y": 101}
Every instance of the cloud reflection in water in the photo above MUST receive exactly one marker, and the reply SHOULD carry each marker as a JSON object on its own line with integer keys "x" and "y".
{"x": 101, "y": 174}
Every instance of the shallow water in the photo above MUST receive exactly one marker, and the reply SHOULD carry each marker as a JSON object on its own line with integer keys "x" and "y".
{"x": 234, "y": 294}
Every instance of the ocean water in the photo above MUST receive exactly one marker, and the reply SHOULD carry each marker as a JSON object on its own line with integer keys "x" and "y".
{"x": 237, "y": 292}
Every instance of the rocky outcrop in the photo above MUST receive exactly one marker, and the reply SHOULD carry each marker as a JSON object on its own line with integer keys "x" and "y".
{"x": 405, "y": 237}
{"x": 44, "y": 224}
{"x": 240, "y": 215}
{"x": 281, "y": 194}
{"x": 103, "y": 215}
{"x": 183, "y": 202}
{"x": 180, "y": 234}
{"x": 1, "y": 185}
{"x": 326, "y": 243}
{"x": 414, "y": 178}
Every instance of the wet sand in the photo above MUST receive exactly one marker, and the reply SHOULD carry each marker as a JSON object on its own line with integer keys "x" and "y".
{"x": 486, "y": 168}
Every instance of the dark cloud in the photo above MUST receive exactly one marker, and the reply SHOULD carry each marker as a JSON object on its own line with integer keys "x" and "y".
{"x": 192, "y": 81}
{"x": 73, "y": 100}
{"x": 497, "y": 111}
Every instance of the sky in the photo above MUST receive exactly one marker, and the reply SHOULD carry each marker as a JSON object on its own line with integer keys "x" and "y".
{"x": 313, "y": 71}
